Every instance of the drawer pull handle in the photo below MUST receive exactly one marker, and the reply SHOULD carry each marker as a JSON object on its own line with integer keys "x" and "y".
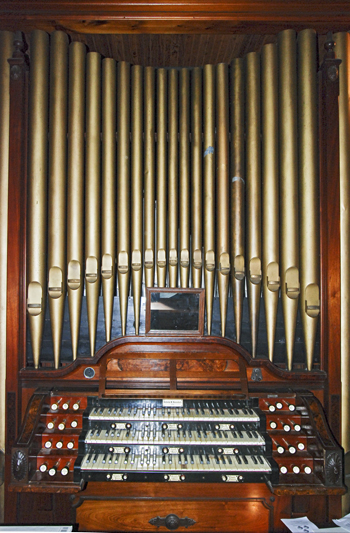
{"x": 172, "y": 521}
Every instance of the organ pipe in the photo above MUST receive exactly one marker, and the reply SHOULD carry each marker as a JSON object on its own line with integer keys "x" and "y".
{"x": 108, "y": 192}
{"x": 184, "y": 177}
{"x": 237, "y": 191}
{"x": 149, "y": 175}
{"x": 37, "y": 188}
{"x": 308, "y": 191}
{"x": 161, "y": 176}
{"x": 75, "y": 188}
{"x": 253, "y": 193}
{"x": 196, "y": 177}
{"x": 173, "y": 178}
{"x": 270, "y": 188}
{"x": 57, "y": 186}
{"x": 289, "y": 253}
{"x": 136, "y": 189}
{"x": 209, "y": 188}
{"x": 222, "y": 190}
{"x": 123, "y": 188}
{"x": 92, "y": 192}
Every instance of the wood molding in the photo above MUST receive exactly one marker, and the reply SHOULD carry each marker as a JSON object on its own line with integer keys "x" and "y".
{"x": 188, "y": 16}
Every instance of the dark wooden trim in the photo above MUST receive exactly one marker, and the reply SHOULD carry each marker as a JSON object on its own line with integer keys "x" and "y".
{"x": 189, "y": 16}
{"x": 330, "y": 244}
{"x": 16, "y": 271}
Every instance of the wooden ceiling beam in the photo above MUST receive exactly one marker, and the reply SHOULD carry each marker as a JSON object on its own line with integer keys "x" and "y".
{"x": 174, "y": 16}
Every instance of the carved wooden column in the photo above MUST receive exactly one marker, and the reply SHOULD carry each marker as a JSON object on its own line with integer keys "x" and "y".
{"x": 330, "y": 242}
{"x": 16, "y": 279}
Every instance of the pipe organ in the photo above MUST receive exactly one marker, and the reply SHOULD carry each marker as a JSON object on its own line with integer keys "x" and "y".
{"x": 209, "y": 177}
{"x": 189, "y": 178}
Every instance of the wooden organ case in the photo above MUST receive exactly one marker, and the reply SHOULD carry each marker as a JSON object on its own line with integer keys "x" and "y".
{"x": 230, "y": 442}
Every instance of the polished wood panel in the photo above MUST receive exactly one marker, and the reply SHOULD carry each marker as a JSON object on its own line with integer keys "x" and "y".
{"x": 192, "y": 16}
{"x": 16, "y": 278}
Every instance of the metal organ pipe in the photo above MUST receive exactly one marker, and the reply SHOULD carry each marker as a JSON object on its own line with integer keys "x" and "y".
{"x": 37, "y": 188}
{"x": 123, "y": 188}
{"x": 184, "y": 177}
{"x": 57, "y": 186}
{"x": 237, "y": 191}
{"x": 136, "y": 189}
{"x": 92, "y": 192}
{"x": 161, "y": 177}
{"x": 290, "y": 285}
{"x": 253, "y": 193}
{"x": 149, "y": 174}
{"x": 308, "y": 190}
{"x": 209, "y": 188}
{"x": 108, "y": 191}
{"x": 196, "y": 177}
{"x": 270, "y": 190}
{"x": 173, "y": 177}
{"x": 75, "y": 188}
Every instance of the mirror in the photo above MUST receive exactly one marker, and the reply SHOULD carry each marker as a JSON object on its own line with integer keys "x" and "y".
{"x": 175, "y": 312}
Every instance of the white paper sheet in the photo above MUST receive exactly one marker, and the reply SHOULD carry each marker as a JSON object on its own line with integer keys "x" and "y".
{"x": 300, "y": 525}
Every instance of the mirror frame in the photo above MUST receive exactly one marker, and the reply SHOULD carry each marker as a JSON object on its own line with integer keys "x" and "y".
{"x": 173, "y": 332}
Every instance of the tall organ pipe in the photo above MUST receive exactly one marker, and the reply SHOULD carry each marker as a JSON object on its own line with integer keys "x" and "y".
{"x": 289, "y": 252}
{"x": 136, "y": 188}
{"x": 173, "y": 178}
{"x": 308, "y": 190}
{"x": 108, "y": 195}
{"x": 184, "y": 177}
{"x": 75, "y": 192}
{"x": 343, "y": 52}
{"x": 149, "y": 175}
{"x": 253, "y": 193}
{"x": 222, "y": 190}
{"x": 123, "y": 188}
{"x": 92, "y": 191}
{"x": 37, "y": 187}
{"x": 237, "y": 191}
{"x": 57, "y": 186}
{"x": 209, "y": 188}
{"x": 161, "y": 176}
{"x": 270, "y": 196}
{"x": 196, "y": 177}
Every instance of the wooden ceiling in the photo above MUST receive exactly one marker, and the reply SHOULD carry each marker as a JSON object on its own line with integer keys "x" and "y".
{"x": 176, "y": 50}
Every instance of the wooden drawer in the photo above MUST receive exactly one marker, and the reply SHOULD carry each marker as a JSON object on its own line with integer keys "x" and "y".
{"x": 241, "y": 515}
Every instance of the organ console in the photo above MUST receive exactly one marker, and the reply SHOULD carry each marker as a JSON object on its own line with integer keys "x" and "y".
{"x": 148, "y": 416}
